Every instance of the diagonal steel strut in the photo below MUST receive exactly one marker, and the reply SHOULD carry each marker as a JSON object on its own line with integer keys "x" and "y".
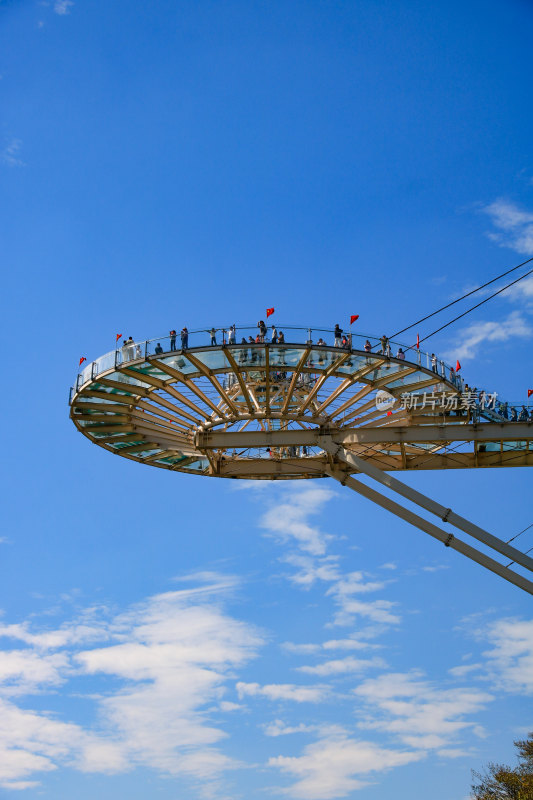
{"x": 446, "y": 514}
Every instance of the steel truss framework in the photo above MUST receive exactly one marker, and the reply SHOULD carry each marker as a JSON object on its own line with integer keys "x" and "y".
{"x": 264, "y": 411}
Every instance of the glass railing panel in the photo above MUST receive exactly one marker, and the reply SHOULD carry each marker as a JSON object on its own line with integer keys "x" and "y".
{"x": 285, "y": 356}
{"x": 164, "y": 344}
{"x": 118, "y": 377}
{"x": 212, "y": 359}
{"x": 250, "y": 354}
{"x": 295, "y": 335}
{"x": 353, "y": 364}
{"x": 179, "y": 363}
{"x": 130, "y": 352}
{"x": 412, "y": 378}
{"x": 104, "y": 363}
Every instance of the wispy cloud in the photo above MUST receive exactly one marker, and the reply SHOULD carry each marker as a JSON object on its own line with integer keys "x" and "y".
{"x": 351, "y": 643}
{"x": 10, "y": 154}
{"x": 336, "y": 765}
{"x": 419, "y": 713}
{"x": 340, "y": 666}
{"x": 63, "y": 7}
{"x": 513, "y": 229}
{"x": 514, "y": 226}
{"x": 280, "y": 728}
{"x": 510, "y": 657}
{"x": 479, "y": 334}
{"x": 290, "y": 520}
{"x": 170, "y": 659}
{"x": 347, "y": 594}
{"x": 283, "y": 691}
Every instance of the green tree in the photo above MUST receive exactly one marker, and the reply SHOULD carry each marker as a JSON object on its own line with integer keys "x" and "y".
{"x": 500, "y": 782}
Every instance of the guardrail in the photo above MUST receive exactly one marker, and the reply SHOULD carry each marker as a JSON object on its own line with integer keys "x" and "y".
{"x": 290, "y": 335}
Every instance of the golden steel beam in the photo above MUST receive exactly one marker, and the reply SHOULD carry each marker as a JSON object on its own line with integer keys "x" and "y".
{"x": 179, "y": 376}
{"x": 201, "y": 367}
{"x": 409, "y": 434}
{"x": 242, "y": 384}
{"x": 294, "y": 378}
{"x": 323, "y": 378}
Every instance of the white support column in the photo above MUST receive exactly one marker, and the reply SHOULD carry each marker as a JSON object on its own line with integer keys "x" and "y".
{"x": 445, "y": 514}
{"x": 448, "y": 539}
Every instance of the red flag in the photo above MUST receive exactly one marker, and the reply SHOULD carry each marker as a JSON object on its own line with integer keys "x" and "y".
{"x": 529, "y": 393}
{"x": 353, "y": 318}
{"x": 118, "y": 335}
{"x": 417, "y": 341}
{"x": 269, "y": 312}
{"x": 82, "y": 359}
{"x": 457, "y": 366}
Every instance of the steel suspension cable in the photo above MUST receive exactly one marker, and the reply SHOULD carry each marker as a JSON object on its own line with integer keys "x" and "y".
{"x": 486, "y": 300}
{"x": 520, "y": 534}
{"x": 464, "y": 296}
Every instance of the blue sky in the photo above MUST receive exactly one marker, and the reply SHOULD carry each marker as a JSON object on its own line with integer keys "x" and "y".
{"x": 173, "y": 164}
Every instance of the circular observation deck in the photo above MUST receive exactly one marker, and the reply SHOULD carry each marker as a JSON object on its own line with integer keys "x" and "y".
{"x": 255, "y": 409}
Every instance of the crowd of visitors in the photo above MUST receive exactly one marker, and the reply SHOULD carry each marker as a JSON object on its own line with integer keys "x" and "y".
{"x": 130, "y": 351}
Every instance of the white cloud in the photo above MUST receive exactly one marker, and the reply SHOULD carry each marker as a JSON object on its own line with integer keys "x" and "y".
{"x": 464, "y": 669}
{"x": 88, "y": 628}
{"x": 476, "y": 336}
{"x": 279, "y": 728}
{"x": 24, "y": 671}
{"x": 331, "y": 767}
{"x": 435, "y": 568}
{"x": 514, "y": 226}
{"x": 301, "y": 649}
{"x": 35, "y": 742}
{"x": 283, "y": 691}
{"x": 170, "y": 658}
{"x": 289, "y": 520}
{"x": 340, "y": 666}
{"x": 311, "y": 569}
{"x": 10, "y": 154}
{"x": 513, "y": 229}
{"x": 331, "y": 644}
{"x": 510, "y": 659}
{"x": 346, "y": 592}
{"x": 419, "y": 713}
{"x": 62, "y": 7}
